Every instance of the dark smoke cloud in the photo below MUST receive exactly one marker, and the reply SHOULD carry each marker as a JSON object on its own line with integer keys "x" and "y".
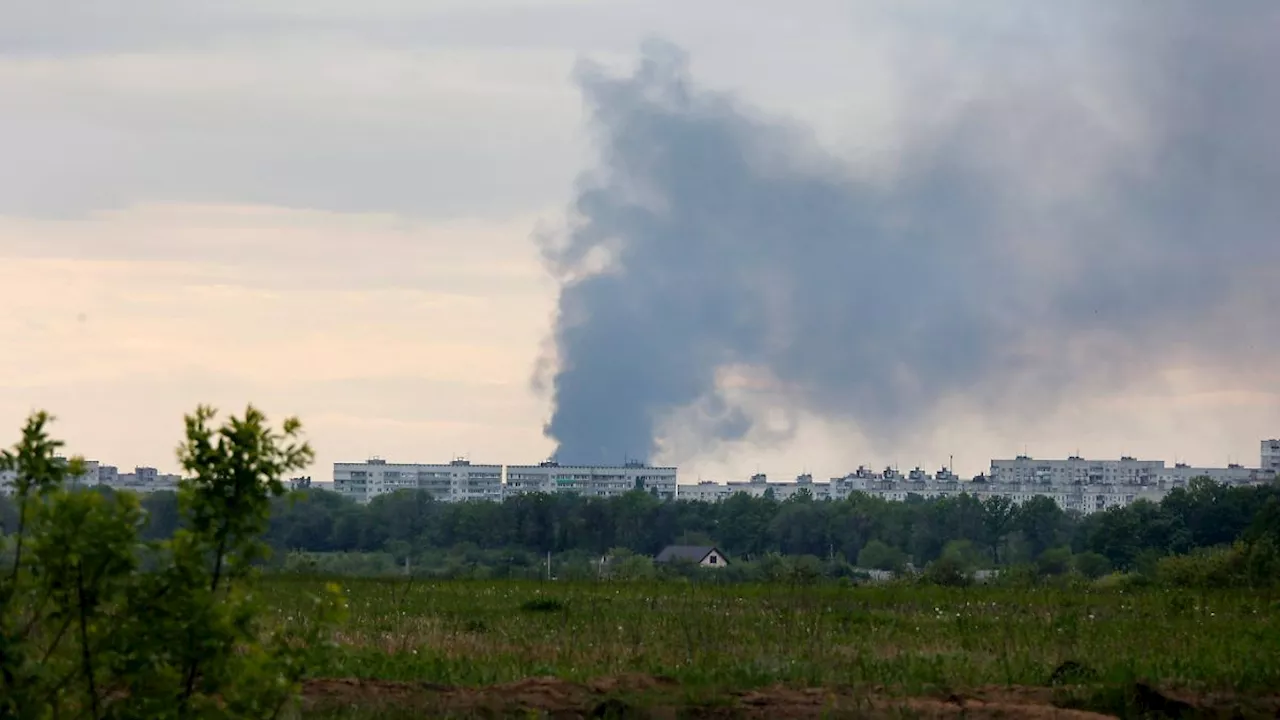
{"x": 1046, "y": 239}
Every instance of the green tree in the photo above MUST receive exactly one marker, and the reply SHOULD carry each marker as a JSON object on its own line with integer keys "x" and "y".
{"x": 626, "y": 565}
{"x": 1054, "y": 561}
{"x": 86, "y": 632}
{"x": 1042, "y": 524}
{"x": 878, "y": 555}
{"x": 948, "y": 571}
{"x": 965, "y": 553}
{"x": 1091, "y": 565}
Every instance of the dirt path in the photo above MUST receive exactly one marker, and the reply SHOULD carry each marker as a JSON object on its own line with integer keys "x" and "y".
{"x": 641, "y": 696}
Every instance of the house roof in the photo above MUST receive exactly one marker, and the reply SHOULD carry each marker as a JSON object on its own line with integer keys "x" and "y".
{"x": 695, "y": 553}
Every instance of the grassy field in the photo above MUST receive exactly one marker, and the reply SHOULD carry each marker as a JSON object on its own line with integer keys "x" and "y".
{"x": 702, "y": 644}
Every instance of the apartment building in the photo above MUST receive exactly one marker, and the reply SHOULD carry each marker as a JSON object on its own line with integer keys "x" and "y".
{"x": 759, "y": 486}
{"x": 143, "y": 479}
{"x": 95, "y": 474}
{"x": 890, "y": 484}
{"x": 1270, "y": 455}
{"x": 456, "y": 481}
{"x": 1074, "y": 484}
{"x": 703, "y": 491}
{"x": 1076, "y": 470}
{"x": 592, "y": 480}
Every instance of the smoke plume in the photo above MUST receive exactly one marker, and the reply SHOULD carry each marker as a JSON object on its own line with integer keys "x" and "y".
{"x": 1065, "y": 229}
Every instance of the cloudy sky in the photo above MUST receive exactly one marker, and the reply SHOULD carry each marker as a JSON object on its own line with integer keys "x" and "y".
{"x": 358, "y": 213}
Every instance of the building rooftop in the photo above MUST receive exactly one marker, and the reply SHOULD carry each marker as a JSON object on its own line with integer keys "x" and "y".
{"x": 693, "y": 553}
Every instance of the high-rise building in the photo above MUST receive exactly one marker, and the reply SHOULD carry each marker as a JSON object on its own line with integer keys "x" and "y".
{"x": 1270, "y": 455}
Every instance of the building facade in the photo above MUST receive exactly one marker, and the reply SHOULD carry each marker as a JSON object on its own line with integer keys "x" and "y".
{"x": 1074, "y": 484}
{"x": 456, "y": 481}
{"x": 703, "y": 491}
{"x": 141, "y": 480}
{"x": 1270, "y": 455}
{"x": 592, "y": 481}
{"x": 1076, "y": 470}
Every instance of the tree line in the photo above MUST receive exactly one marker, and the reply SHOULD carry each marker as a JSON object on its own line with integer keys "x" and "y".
{"x": 862, "y": 531}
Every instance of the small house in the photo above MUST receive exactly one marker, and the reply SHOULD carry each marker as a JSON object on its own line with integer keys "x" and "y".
{"x": 704, "y": 555}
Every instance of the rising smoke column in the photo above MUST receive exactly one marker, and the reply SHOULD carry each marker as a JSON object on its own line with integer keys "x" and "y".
{"x": 1031, "y": 245}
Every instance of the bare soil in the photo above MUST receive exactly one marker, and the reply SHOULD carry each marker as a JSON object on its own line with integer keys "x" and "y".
{"x": 643, "y": 696}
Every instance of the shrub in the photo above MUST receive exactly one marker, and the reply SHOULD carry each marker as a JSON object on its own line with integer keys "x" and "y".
{"x": 542, "y": 605}
{"x": 1091, "y": 565}
{"x": 85, "y": 631}
{"x": 878, "y": 555}
{"x": 948, "y": 571}
{"x": 1209, "y": 567}
{"x": 1054, "y": 561}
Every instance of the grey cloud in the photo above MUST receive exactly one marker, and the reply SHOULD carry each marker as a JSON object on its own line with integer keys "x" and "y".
{"x": 1079, "y": 220}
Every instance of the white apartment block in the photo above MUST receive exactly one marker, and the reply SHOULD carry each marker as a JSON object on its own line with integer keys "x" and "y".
{"x": 837, "y": 489}
{"x": 141, "y": 480}
{"x": 592, "y": 481}
{"x": 1270, "y": 455}
{"x": 456, "y": 481}
{"x": 759, "y": 486}
{"x": 704, "y": 491}
{"x": 1084, "y": 486}
{"x": 1076, "y": 470}
{"x": 1181, "y": 474}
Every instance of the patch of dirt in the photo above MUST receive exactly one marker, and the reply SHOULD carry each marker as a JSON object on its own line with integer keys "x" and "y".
{"x": 632, "y": 683}
{"x": 785, "y": 702}
{"x": 645, "y": 696}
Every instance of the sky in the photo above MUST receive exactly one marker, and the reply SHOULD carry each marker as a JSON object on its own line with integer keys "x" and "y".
{"x": 441, "y": 228}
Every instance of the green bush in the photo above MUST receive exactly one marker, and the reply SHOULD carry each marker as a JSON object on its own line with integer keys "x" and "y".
{"x": 1091, "y": 565}
{"x": 878, "y": 555}
{"x": 86, "y": 631}
{"x": 1054, "y": 561}
{"x": 1242, "y": 565}
{"x": 947, "y": 571}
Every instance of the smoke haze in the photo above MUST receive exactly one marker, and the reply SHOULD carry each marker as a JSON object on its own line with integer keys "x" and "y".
{"x": 1105, "y": 200}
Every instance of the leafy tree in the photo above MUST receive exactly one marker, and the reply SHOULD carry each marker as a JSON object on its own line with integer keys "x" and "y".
{"x": 1262, "y": 545}
{"x": 626, "y": 565}
{"x": 1091, "y": 565}
{"x": 1042, "y": 524}
{"x": 948, "y": 571}
{"x": 964, "y": 553}
{"x": 85, "y": 631}
{"x": 1054, "y": 561}
{"x": 879, "y": 556}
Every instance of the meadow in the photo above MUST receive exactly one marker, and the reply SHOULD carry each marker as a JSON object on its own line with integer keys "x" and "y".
{"x": 710, "y": 646}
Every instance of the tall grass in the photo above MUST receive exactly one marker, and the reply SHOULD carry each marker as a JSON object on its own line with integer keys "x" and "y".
{"x": 735, "y": 637}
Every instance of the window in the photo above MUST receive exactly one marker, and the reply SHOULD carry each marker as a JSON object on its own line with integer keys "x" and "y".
{"x": 712, "y": 559}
